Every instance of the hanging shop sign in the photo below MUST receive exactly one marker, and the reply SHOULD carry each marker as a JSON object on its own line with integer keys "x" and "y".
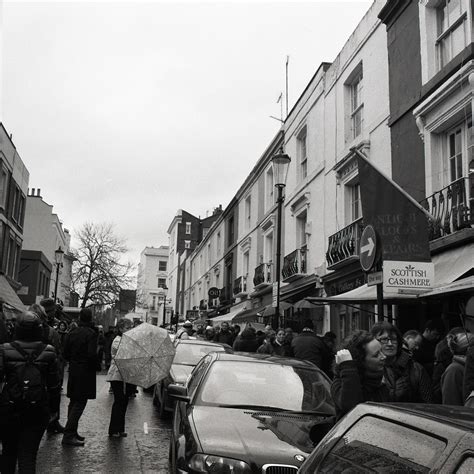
{"x": 405, "y": 277}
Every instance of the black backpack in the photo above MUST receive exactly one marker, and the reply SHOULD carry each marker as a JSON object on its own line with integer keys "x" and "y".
{"x": 27, "y": 385}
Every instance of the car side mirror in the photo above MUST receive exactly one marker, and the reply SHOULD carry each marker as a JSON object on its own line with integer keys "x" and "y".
{"x": 178, "y": 392}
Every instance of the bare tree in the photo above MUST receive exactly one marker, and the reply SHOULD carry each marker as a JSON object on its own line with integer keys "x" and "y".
{"x": 98, "y": 274}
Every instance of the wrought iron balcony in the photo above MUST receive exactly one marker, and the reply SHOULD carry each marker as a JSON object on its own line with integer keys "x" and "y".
{"x": 263, "y": 274}
{"x": 452, "y": 208}
{"x": 240, "y": 285}
{"x": 294, "y": 263}
{"x": 344, "y": 245}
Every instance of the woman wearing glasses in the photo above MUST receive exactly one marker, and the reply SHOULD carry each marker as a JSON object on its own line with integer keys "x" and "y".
{"x": 358, "y": 376}
{"x": 406, "y": 379}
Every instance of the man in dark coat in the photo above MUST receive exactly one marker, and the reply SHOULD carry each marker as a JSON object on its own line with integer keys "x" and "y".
{"x": 308, "y": 346}
{"x": 80, "y": 350}
{"x": 225, "y": 335}
{"x": 425, "y": 354}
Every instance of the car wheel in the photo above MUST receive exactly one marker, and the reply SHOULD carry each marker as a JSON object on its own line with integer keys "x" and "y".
{"x": 163, "y": 413}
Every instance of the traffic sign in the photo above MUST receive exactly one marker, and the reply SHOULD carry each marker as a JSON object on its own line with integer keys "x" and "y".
{"x": 368, "y": 248}
{"x": 213, "y": 292}
{"x": 374, "y": 278}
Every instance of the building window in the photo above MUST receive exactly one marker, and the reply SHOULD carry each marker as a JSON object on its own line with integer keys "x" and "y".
{"x": 161, "y": 282}
{"x": 153, "y": 303}
{"x": 230, "y": 229}
{"x": 187, "y": 244}
{"x": 301, "y": 222}
{"x": 218, "y": 246}
{"x": 269, "y": 189}
{"x": 248, "y": 212}
{"x": 209, "y": 255}
{"x": 357, "y": 105}
{"x": 268, "y": 247}
{"x": 356, "y": 209}
{"x": 162, "y": 265}
{"x": 188, "y": 228}
{"x": 451, "y": 30}
{"x": 3, "y": 185}
{"x": 302, "y": 154}
{"x": 459, "y": 151}
{"x": 246, "y": 264}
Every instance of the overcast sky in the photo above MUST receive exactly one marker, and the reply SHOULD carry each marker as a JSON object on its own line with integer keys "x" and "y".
{"x": 126, "y": 112}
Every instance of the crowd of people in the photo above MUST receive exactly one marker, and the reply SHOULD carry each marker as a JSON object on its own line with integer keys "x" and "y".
{"x": 380, "y": 365}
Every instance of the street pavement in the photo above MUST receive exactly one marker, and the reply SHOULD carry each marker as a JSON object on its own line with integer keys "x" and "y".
{"x": 145, "y": 450}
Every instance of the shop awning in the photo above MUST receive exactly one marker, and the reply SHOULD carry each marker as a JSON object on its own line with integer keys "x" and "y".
{"x": 453, "y": 264}
{"x": 8, "y": 295}
{"x": 229, "y": 317}
{"x": 460, "y": 286}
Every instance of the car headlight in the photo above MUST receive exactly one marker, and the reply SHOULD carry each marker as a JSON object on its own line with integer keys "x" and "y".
{"x": 216, "y": 464}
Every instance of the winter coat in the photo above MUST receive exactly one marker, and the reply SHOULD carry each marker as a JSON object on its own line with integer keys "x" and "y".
{"x": 226, "y": 337}
{"x": 408, "y": 381}
{"x": 443, "y": 357}
{"x": 246, "y": 342}
{"x": 274, "y": 348}
{"x": 348, "y": 390}
{"x": 114, "y": 375}
{"x": 80, "y": 350}
{"x": 468, "y": 383}
{"x": 452, "y": 382}
{"x": 46, "y": 361}
{"x": 425, "y": 355}
{"x": 308, "y": 346}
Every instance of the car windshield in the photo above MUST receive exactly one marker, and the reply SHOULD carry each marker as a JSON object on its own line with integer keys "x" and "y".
{"x": 191, "y": 354}
{"x": 266, "y": 385}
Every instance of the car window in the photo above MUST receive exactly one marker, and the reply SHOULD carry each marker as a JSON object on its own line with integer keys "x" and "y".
{"x": 376, "y": 445}
{"x": 466, "y": 466}
{"x": 197, "y": 374}
{"x": 191, "y": 354}
{"x": 266, "y": 384}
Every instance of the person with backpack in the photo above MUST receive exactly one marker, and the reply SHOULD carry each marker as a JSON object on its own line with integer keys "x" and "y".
{"x": 80, "y": 350}
{"x": 29, "y": 370}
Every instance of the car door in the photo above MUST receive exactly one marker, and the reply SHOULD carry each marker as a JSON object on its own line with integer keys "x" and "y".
{"x": 182, "y": 437}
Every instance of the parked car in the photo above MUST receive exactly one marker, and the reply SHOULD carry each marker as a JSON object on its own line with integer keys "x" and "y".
{"x": 397, "y": 438}
{"x": 188, "y": 353}
{"x": 249, "y": 413}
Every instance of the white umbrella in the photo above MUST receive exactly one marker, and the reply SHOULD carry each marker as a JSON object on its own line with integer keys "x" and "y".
{"x": 145, "y": 355}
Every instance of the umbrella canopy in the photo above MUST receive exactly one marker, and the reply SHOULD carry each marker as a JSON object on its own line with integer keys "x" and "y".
{"x": 270, "y": 310}
{"x": 145, "y": 355}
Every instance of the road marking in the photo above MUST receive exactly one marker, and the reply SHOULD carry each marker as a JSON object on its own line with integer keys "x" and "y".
{"x": 145, "y": 427}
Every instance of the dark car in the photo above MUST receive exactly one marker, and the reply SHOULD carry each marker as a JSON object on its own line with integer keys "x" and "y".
{"x": 188, "y": 353}
{"x": 249, "y": 413}
{"x": 397, "y": 438}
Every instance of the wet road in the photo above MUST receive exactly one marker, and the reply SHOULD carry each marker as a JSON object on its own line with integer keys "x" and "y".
{"x": 145, "y": 450}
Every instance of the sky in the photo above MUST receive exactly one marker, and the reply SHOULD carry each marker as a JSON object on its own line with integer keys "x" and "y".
{"x": 125, "y": 112}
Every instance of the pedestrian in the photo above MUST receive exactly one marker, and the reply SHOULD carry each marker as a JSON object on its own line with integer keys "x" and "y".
{"x": 468, "y": 383}
{"x": 267, "y": 346}
{"x": 100, "y": 347}
{"x": 25, "y": 402}
{"x": 225, "y": 335}
{"x": 247, "y": 340}
{"x": 308, "y": 346}
{"x": 329, "y": 355}
{"x": 276, "y": 344}
{"x": 80, "y": 350}
{"x": 46, "y": 311}
{"x": 289, "y": 335}
{"x": 109, "y": 337}
{"x": 62, "y": 330}
{"x": 406, "y": 379}
{"x": 443, "y": 358}
{"x": 453, "y": 377}
{"x": 412, "y": 340}
{"x": 425, "y": 354}
{"x": 186, "y": 331}
{"x": 358, "y": 375}
{"x": 122, "y": 391}
{"x": 236, "y": 330}
{"x": 209, "y": 334}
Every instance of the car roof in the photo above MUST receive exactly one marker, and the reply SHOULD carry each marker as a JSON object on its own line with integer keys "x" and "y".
{"x": 460, "y": 417}
{"x": 201, "y": 342}
{"x": 264, "y": 359}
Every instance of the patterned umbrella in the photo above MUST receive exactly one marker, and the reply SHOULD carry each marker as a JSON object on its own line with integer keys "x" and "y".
{"x": 145, "y": 355}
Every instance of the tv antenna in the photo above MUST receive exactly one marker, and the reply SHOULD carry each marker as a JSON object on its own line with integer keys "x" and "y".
{"x": 280, "y": 97}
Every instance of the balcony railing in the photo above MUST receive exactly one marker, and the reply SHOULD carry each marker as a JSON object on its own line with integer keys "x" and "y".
{"x": 263, "y": 274}
{"x": 294, "y": 263}
{"x": 240, "y": 285}
{"x": 344, "y": 244}
{"x": 451, "y": 208}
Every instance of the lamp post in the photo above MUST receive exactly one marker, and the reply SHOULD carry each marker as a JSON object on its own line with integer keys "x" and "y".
{"x": 281, "y": 163}
{"x": 165, "y": 289}
{"x": 58, "y": 258}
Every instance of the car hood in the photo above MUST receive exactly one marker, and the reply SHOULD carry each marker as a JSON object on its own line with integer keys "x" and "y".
{"x": 257, "y": 437}
{"x": 180, "y": 373}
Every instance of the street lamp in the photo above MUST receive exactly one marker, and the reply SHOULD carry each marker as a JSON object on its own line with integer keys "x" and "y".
{"x": 165, "y": 289}
{"x": 281, "y": 162}
{"x": 58, "y": 258}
